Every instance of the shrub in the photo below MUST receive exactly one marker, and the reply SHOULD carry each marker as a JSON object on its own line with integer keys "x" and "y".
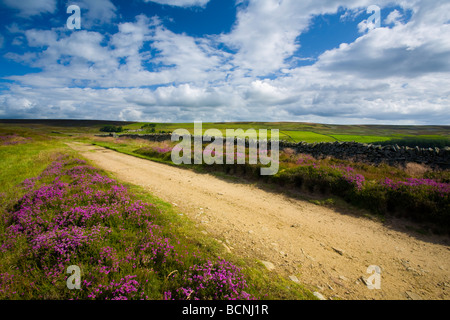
{"x": 111, "y": 128}
{"x": 210, "y": 281}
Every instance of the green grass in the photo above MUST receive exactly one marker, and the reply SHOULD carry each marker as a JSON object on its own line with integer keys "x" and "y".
{"x": 427, "y": 141}
{"x": 360, "y": 139}
{"x": 22, "y": 161}
{"x": 310, "y": 132}
{"x": 305, "y": 136}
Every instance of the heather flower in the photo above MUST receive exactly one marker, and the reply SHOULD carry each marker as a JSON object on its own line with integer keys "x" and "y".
{"x": 6, "y": 285}
{"x": 220, "y": 280}
{"x": 414, "y": 185}
{"x": 13, "y": 139}
{"x": 162, "y": 150}
{"x": 305, "y": 159}
{"x": 126, "y": 288}
{"x": 355, "y": 179}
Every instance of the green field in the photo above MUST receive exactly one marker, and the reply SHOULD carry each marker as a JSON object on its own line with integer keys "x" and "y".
{"x": 289, "y": 131}
{"x": 310, "y": 133}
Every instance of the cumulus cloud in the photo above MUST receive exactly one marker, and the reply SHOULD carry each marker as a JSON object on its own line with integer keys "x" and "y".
{"x": 144, "y": 71}
{"x": 188, "y": 58}
{"x": 393, "y": 18}
{"x": 407, "y": 50}
{"x": 351, "y": 14}
{"x": 97, "y": 12}
{"x": 266, "y": 32}
{"x": 81, "y": 58}
{"x": 265, "y": 35}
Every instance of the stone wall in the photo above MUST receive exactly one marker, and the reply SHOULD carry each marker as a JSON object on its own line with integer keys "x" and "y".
{"x": 393, "y": 154}
{"x": 375, "y": 154}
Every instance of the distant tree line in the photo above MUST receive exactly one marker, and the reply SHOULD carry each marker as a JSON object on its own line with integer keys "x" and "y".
{"x": 150, "y": 127}
{"x": 111, "y": 128}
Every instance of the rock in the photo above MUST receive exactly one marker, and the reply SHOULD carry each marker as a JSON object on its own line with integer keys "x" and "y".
{"x": 338, "y": 282}
{"x": 343, "y": 278}
{"x": 412, "y": 296}
{"x": 340, "y": 251}
{"x": 227, "y": 249}
{"x": 319, "y": 296}
{"x": 294, "y": 278}
{"x": 269, "y": 265}
{"x": 363, "y": 280}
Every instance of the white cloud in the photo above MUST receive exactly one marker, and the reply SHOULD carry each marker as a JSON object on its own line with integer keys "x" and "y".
{"x": 98, "y": 12}
{"x": 18, "y": 41}
{"x": 406, "y": 50}
{"x": 130, "y": 114}
{"x": 2, "y": 40}
{"x": 188, "y": 58}
{"x": 351, "y": 14}
{"x": 264, "y": 36}
{"x": 181, "y": 3}
{"x": 28, "y": 8}
{"x": 266, "y": 31}
{"x": 83, "y": 58}
{"x": 395, "y": 74}
{"x": 393, "y": 18}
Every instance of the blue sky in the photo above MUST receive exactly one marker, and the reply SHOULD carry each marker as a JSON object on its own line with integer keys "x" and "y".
{"x": 227, "y": 60}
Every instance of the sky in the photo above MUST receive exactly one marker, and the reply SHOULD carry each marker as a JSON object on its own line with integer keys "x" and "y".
{"x": 318, "y": 61}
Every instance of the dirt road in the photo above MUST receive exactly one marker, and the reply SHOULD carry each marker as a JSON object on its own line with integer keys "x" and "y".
{"x": 326, "y": 251}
